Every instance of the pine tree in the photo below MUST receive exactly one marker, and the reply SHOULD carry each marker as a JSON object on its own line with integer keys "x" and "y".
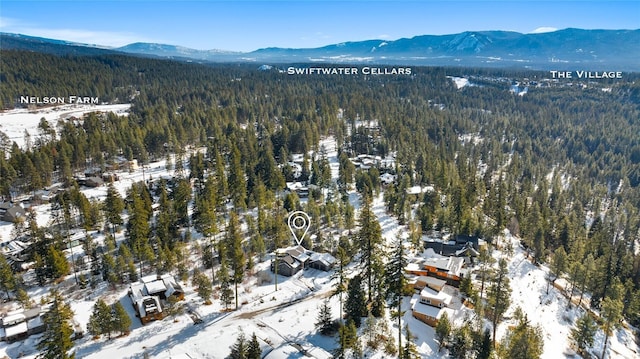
{"x": 340, "y": 275}
{"x": 57, "y": 263}
{"x": 611, "y": 312}
{"x": 253, "y": 348}
{"x": 138, "y": 229}
{"x": 236, "y": 180}
{"x": 56, "y": 340}
{"x": 347, "y": 340}
{"x": 239, "y": 348}
{"x": 396, "y": 282}
{"x": 443, "y": 330}
{"x": 582, "y": 335}
{"x": 409, "y": 351}
{"x": 222, "y": 190}
{"x": 226, "y": 293}
{"x": 558, "y": 265}
{"x": 369, "y": 240}
{"x": 498, "y": 295}
{"x": 181, "y": 196}
{"x": 355, "y": 305}
{"x": 235, "y": 252}
{"x": 121, "y": 320}
{"x": 484, "y": 351}
{"x": 466, "y": 287}
{"x": 100, "y": 321}
{"x": 7, "y": 279}
{"x": 461, "y": 342}
{"x": 485, "y": 260}
{"x": 324, "y": 320}
{"x": 113, "y": 207}
{"x": 525, "y": 342}
{"x": 23, "y": 298}
{"x": 205, "y": 287}
{"x": 370, "y": 330}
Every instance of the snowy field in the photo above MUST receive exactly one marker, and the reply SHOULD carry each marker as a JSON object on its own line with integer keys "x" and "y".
{"x": 14, "y": 123}
{"x": 460, "y": 82}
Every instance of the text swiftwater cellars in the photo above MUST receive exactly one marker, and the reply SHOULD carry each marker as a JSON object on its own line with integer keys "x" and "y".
{"x": 349, "y": 71}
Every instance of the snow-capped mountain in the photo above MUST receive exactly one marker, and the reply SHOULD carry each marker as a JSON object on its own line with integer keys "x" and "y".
{"x": 563, "y": 49}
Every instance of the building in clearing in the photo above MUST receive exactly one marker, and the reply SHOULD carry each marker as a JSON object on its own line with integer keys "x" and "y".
{"x": 146, "y": 296}
{"x": 421, "y": 282}
{"x": 10, "y": 212}
{"x": 429, "y": 305}
{"x": 434, "y": 265}
{"x": 21, "y": 324}
{"x": 291, "y": 260}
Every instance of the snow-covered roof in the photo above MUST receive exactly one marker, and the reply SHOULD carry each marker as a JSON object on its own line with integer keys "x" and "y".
{"x": 171, "y": 286}
{"x": 156, "y": 286}
{"x": 428, "y": 310}
{"x": 387, "y": 178}
{"x": 431, "y": 281}
{"x": 16, "y": 329}
{"x": 13, "y": 319}
{"x": 35, "y": 322}
{"x": 149, "y": 303}
{"x": 326, "y": 258}
{"x": 297, "y": 252}
{"x": 428, "y": 293}
{"x": 448, "y": 264}
{"x": 418, "y": 189}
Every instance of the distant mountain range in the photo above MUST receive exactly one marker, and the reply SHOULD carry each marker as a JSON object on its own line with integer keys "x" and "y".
{"x": 571, "y": 49}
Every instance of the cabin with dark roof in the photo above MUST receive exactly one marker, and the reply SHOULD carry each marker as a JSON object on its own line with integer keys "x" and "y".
{"x": 10, "y": 212}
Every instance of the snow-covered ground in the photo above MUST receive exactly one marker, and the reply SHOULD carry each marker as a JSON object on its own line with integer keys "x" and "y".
{"x": 285, "y": 319}
{"x": 14, "y": 123}
{"x": 550, "y": 311}
{"x": 460, "y": 82}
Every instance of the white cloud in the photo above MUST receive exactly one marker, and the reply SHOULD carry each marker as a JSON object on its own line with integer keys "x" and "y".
{"x": 542, "y": 29}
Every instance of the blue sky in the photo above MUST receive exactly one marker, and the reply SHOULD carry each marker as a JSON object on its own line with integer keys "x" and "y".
{"x": 249, "y": 25}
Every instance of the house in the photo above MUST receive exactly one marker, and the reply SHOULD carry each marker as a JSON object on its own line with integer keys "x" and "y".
{"x": 94, "y": 182}
{"x": 467, "y": 252}
{"x": 21, "y": 324}
{"x": 426, "y": 313}
{"x": 10, "y": 212}
{"x": 435, "y": 298}
{"x": 293, "y": 259}
{"x": 110, "y": 177}
{"x": 449, "y": 248}
{"x": 299, "y": 253}
{"x": 163, "y": 286}
{"x": 434, "y": 265}
{"x": 434, "y": 283}
{"x": 298, "y": 188}
{"x": 387, "y": 178}
{"x": 286, "y": 264}
{"x": 321, "y": 261}
{"x": 146, "y": 296}
{"x": 430, "y": 304}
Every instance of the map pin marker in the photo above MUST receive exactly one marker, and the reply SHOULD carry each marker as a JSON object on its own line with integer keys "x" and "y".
{"x": 299, "y": 220}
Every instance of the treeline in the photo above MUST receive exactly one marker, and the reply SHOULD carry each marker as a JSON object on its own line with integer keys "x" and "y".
{"x": 560, "y": 167}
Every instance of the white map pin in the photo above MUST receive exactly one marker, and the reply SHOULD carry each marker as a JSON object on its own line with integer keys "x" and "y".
{"x": 299, "y": 220}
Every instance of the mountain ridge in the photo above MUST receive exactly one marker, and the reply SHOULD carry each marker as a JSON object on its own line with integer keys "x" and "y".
{"x": 561, "y": 49}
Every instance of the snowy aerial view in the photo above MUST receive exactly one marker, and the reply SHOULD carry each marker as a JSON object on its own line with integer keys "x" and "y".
{"x": 319, "y": 179}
